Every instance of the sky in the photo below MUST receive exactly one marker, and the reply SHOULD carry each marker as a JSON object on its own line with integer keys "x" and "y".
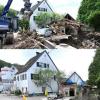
{"x": 59, "y": 6}
{"x": 67, "y": 60}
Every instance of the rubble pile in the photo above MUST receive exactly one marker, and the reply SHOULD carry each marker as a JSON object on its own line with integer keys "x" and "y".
{"x": 26, "y": 40}
{"x": 81, "y": 36}
{"x": 65, "y": 32}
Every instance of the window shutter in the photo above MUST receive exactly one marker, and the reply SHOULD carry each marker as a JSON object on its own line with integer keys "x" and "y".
{"x": 37, "y": 64}
{"x": 31, "y": 76}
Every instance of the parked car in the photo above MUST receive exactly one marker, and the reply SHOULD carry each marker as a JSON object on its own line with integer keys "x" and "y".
{"x": 45, "y": 32}
{"x": 52, "y": 96}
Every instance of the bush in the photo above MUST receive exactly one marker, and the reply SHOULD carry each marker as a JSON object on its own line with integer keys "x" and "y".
{"x": 18, "y": 92}
{"x": 24, "y": 24}
{"x": 94, "y": 20}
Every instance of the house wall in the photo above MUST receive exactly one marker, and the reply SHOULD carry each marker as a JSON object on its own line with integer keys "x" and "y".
{"x": 21, "y": 84}
{"x": 30, "y": 84}
{"x": 36, "y": 12}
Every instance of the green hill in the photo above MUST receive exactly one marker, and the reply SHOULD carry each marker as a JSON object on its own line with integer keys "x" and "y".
{"x": 4, "y": 63}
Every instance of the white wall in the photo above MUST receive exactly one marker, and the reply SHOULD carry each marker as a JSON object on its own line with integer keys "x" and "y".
{"x": 21, "y": 83}
{"x": 35, "y": 13}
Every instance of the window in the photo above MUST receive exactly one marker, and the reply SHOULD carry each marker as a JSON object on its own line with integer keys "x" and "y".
{"x": 23, "y": 77}
{"x": 39, "y": 9}
{"x": 42, "y": 9}
{"x": 18, "y": 78}
{"x": 14, "y": 78}
{"x": 37, "y": 64}
{"x": 35, "y": 76}
{"x": 43, "y": 65}
{"x": 34, "y": 18}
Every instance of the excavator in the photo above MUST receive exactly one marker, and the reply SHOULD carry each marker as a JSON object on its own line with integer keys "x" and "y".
{"x": 8, "y": 25}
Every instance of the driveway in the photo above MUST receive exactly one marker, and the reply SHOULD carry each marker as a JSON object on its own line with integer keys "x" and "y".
{"x": 7, "y": 97}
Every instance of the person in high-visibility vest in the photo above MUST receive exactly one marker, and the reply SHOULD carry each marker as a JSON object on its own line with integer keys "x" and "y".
{"x": 24, "y": 98}
{"x": 46, "y": 92}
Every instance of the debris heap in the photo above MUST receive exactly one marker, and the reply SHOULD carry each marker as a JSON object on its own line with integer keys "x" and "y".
{"x": 80, "y": 35}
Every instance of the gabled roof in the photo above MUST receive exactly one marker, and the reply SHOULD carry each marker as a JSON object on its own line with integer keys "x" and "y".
{"x": 75, "y": 79}
{"x": 69, "y": 17}
{"x": 38, "y": 4}
{"x": 32, "y": 61}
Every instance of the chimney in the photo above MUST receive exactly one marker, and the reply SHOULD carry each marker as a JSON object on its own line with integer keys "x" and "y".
{"x": 38, "y": 1}
{"x": 37, "y": 53}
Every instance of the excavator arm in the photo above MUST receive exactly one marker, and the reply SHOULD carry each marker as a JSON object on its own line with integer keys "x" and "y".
{"x": 6, "y": 9}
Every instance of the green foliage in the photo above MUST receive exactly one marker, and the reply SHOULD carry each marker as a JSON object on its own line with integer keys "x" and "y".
{"x": 86, "y": 9}
{"x": 44, "y": 76}
{"x": 3, "y": 63}
{"x": 94, "y": 20}
{"x": 98, "y": 82}
{"x": 18, "y": 92}
{"x": 42, "y": 19}
{"x": 11, "y": 12}
{"x": 1, "y": 9}
{"x": 24, "y": 24}
{"x": 94, "y": 69}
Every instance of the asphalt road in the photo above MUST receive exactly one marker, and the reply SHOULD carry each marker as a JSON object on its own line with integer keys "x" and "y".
{"x": 8, "y": 97}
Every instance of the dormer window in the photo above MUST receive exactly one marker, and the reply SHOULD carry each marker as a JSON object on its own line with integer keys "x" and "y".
{"x": 42, "y": 9}
{"x": 42, "y": 65}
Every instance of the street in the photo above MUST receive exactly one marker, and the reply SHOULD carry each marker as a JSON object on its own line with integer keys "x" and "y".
{"x": 6, "y": 97}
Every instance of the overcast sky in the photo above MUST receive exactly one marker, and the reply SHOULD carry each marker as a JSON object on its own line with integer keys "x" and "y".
{"x": 67, "y": 60}
{"x": 59, "y": 6}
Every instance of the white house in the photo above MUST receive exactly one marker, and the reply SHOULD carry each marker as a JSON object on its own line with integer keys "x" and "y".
{"x": 7, "y": 77}
{"x": 24, "y": 78}
{"x": 41, "y": 6}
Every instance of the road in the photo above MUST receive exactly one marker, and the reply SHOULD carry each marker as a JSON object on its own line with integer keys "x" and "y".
{"x": 6, "y": 97}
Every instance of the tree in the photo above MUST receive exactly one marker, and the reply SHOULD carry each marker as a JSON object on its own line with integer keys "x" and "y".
{"x": 86, "y": 9}
{"x": 11, "y": 12}
{"x": 47, "y": 75}
{"x": 42, "y": 19}
{"x": 94, "y": 20}
{"x": 94, "y": 69}
{"x": 98, "y": 82}
{"x": 24, "y": 24}
{"x": 59, "y": 76}
{"x": 3, "y": 63}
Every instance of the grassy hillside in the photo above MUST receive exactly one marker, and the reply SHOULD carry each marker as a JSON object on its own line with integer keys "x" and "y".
{"x": 4, "y": 63}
